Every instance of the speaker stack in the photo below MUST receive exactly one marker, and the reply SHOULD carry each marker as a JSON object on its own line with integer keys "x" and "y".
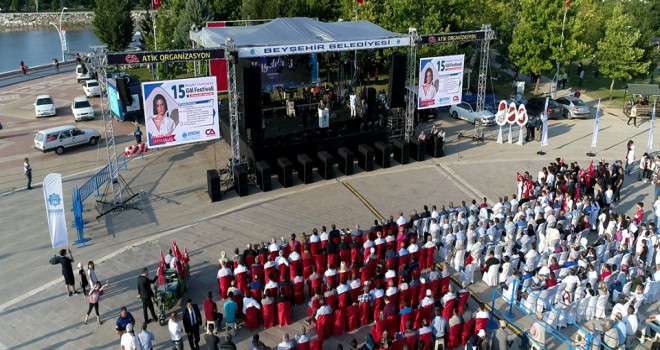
{"x": 252, "y": 99}
{"x": 213, "y": 183}
{"x": 397, "y": 84}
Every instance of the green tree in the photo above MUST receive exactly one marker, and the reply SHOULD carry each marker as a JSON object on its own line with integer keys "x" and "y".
{"x": 644, "y": 16}
{"x": 113, "y": 24}
{"x": 147, "y": 29}
{"x": 537, "y": 37}
{"x": 195, "y": 14}
{"x": 16, "y": 5}
{"x": 619, "y": 55}
{"x": 224, "y": 10}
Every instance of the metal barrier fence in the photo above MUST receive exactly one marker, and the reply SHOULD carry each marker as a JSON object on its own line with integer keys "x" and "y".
{"x": 528, "y": 312}
{"x": 93, "y": 185}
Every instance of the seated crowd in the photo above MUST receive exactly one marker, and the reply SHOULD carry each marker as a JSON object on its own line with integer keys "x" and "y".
{"x": 387, "y": 276}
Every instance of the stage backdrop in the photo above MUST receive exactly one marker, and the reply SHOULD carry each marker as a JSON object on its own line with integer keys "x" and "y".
{"x": 181, "y": 111}
{"x": 440, "y": 81}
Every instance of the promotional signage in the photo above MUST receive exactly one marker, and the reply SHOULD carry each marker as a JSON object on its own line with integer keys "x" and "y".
{"x": 452, "y": 37}
{"x": 164, "y": 56}
{"x": 324, "y": 118}
{"x": 282, "y": 50}
{"x": 440, "y": 81}
{"x": 55, "y": 210}
{"x": 181, "y": 111}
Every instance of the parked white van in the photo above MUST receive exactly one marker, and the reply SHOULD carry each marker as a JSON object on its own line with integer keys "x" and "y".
{"x": 62, "y": 137}
{"x": 83, "y": 73}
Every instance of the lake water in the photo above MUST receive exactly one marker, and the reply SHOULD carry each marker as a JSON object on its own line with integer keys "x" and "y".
{"x": 39, "y": 47}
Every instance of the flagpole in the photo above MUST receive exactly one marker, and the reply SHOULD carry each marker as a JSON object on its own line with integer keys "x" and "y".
{"x": 594, "y": 138}
{"x": 544, "y": 131}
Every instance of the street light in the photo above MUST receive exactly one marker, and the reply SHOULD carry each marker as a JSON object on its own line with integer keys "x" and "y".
{"x": 59, "y": 31}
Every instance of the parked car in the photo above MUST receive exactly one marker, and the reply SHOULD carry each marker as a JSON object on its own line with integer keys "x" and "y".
{"x": 535, "y": 108}
{"x": 466, "y": 111}
{"x": 62, "y": 137}
{"x": 83, "y": 73}
{"x": 44, "y": 106}
{"x": 573, "y": 107}
{"x": 91, "y": 88}
{"x": 82, "y": 109}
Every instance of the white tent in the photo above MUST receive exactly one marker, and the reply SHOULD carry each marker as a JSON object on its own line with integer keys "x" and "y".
{"x": 290, "y": 36}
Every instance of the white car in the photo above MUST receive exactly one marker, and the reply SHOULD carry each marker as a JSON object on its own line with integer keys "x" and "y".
{"x": 83, "y": 73}
{"x": 82, "y": 109}
{"x": 91, "y": 88}
{"x": 466, "y": 111}
{"x": 59, "y": 138}
{"x": 44, "y": 106}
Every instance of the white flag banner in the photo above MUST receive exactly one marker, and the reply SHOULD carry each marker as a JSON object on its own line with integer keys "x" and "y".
{"x": 55, "y": 210}
{"x": 64, "y": 45}
{"x": 544, "y": 120}
{"x": 594, "y": 138}
{"x": 651, "y": 130}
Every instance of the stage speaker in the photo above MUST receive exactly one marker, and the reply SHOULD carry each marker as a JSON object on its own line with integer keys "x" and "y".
{"x": 240, "y": 180}
{"x": 264, "y": 176}
{"x": 213, "y": 183}
{"x": 124, "y": 92}
{"x": 397, "y": 86}
{"x": 252, "y": 99}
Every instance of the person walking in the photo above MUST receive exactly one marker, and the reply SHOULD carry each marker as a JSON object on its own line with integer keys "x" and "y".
{"x": 630, "y": 157}
{"x": 91, "y": 273}
{"x": 82, "y": 278}
{"x": 176, "y": 332}
{"x": 146, "y": 294}
{"x": 138, "y": 135}
{"x": 67, "y": 271}
{"x": 564, "y": 78}
{"x": 581, "y": 77}
{"x": 146, "y": 338}
{"x": 56, "y": 65}
{"x": 27, "y": 170}
{"x": 94, "y": 297}
{"x": 191, "y": 320}
{"x": 212, "y": 340}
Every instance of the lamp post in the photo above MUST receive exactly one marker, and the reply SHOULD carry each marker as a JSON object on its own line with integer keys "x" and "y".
{"x": 59, "y": 32}
{"x": 561, "y": 47}
{"x": 155, "y": 68}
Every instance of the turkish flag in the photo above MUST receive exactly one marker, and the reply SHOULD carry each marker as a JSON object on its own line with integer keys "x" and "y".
{"x": 360, "y": 2}
{"x": 155, "y": 3}
{"x": 568, "y": 3}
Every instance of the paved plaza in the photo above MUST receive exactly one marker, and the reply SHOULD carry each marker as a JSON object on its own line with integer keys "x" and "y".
{"x": 37, "y": 314}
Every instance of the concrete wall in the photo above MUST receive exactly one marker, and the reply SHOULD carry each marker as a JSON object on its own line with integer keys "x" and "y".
{"x": 21, "y": 21}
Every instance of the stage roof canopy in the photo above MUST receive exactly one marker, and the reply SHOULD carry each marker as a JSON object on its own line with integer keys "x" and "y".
{"x": 292, "y": 36}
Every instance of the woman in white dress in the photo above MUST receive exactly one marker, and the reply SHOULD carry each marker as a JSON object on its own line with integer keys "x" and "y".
{"x": 428, "y": 89}
{"x": 160, "y": 124}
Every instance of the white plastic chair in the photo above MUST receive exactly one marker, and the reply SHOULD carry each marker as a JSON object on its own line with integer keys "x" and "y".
{"x": 529, "y": 304}
{"x": 506, "y": 272}
{"x": 468, "y": 274}
{"x": 492, "y": 275}
{"x": 563, "y": 258}
{"x": 601, "y": 306}
{"x": 591, "y": 308}
{"x": 582, "y": 310}
{"x": 458, "y": 260}
{"x": 558, "y": 293}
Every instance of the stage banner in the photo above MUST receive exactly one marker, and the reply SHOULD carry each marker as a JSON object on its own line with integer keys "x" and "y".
{"x": 218, "y": 68}
{"x": 65, "y": 47}
{"x": 544, "y": 120}
{"x": 324, "y": 118}
{"x": 283, "y": 50}
{"x": 55, "y": 210}
{"x": 440, "y": 81}
{"x": 181, "y": 111}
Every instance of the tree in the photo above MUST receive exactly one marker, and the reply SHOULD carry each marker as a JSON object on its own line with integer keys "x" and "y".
{"x": 195, "y": 14}
{"x": 113, "y": 24}
{"x": 537, "y": 37}
{"x": 147, "y": 30}
{"x": 224, "y": 10}
{"x": 618, "y": 55}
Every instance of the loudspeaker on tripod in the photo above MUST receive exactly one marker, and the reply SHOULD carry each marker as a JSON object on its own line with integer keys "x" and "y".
{"x": 124, "y": 92}
{"x": 397, "y": 86}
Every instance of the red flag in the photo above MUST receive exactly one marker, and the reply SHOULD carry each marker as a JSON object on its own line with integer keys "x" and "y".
{"x": 155, "y": 3}
{"x": 592, "y": 173}
{"x": 176, "y": 251}
{"x": 519, "y": 177}
{"x": 185, "y": 255}
{"x": 568, "y": 3}
{"x": 161, "y": 278}
{"x": 360, "y": 2}
{"x": 162, "y": 259}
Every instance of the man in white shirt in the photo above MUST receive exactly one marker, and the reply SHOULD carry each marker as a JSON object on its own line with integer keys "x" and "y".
{"x": 572, "y": 281}
{"x": 248, "y": 302}
{"x": 401, "y": 220}
{"x": 273, "y": 247}
{"x": 302, "y": 337}
{"x": 286, "y": 343}
{"x": 449, "y": 296}
{"x": 632, "y": 324}
{"x": 176, "y": 332}
{"x": 428, "y": 299}
{"x": 128, "y": 340}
